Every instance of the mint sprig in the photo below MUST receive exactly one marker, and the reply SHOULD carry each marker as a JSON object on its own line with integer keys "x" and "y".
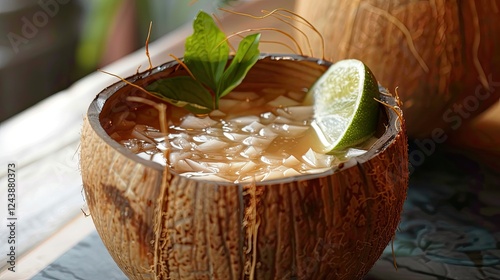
{"x": 246, "y": 56}
{"x": 206, "y": 51}
{"x": 206, "y": 55}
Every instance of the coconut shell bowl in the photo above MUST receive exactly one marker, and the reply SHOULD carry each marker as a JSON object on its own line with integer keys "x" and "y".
{"x": 157, "y": 224}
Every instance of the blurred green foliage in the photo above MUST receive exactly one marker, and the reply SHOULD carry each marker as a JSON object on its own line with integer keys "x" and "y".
{"x": 166, "y": 16}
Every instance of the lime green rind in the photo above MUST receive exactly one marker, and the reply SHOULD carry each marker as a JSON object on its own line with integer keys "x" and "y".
{"x": 367, "y": 119}
{"x": 343, "y": 125}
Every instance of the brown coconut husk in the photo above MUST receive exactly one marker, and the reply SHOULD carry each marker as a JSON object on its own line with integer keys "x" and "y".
{"x": 157, "y": 224}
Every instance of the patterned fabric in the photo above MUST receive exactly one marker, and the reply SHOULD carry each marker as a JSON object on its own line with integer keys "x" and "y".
{"x": 450, "y": 227}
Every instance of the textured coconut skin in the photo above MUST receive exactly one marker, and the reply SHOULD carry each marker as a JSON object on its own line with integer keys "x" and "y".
{"x": 333, "y": 225}
{"x": 443, "y": 56}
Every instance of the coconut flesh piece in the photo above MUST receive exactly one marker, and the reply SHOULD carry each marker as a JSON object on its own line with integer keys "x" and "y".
{"x": 263, "y": 145}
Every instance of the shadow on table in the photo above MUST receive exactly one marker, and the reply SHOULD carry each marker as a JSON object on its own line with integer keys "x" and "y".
{"x": 450, "y": 227}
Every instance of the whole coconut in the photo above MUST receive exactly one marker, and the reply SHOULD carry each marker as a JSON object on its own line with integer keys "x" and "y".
{"x": 443, "y": 56}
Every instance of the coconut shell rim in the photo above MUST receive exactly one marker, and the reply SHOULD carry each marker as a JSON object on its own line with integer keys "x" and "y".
{"x": 385, "y": 140}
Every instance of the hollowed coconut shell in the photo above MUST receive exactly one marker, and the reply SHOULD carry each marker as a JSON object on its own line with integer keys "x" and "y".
{"x": 154, "y": 222}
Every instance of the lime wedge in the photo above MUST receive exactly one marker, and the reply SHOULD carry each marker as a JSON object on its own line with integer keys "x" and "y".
{"x": 345, "y": 112}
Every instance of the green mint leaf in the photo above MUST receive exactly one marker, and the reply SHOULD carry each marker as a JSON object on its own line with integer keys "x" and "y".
{"x": 185, "y": 92}
{"x": 206, "y": 55}
{"x": 206, "y": 51}
{"x": 246, "y": 56}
